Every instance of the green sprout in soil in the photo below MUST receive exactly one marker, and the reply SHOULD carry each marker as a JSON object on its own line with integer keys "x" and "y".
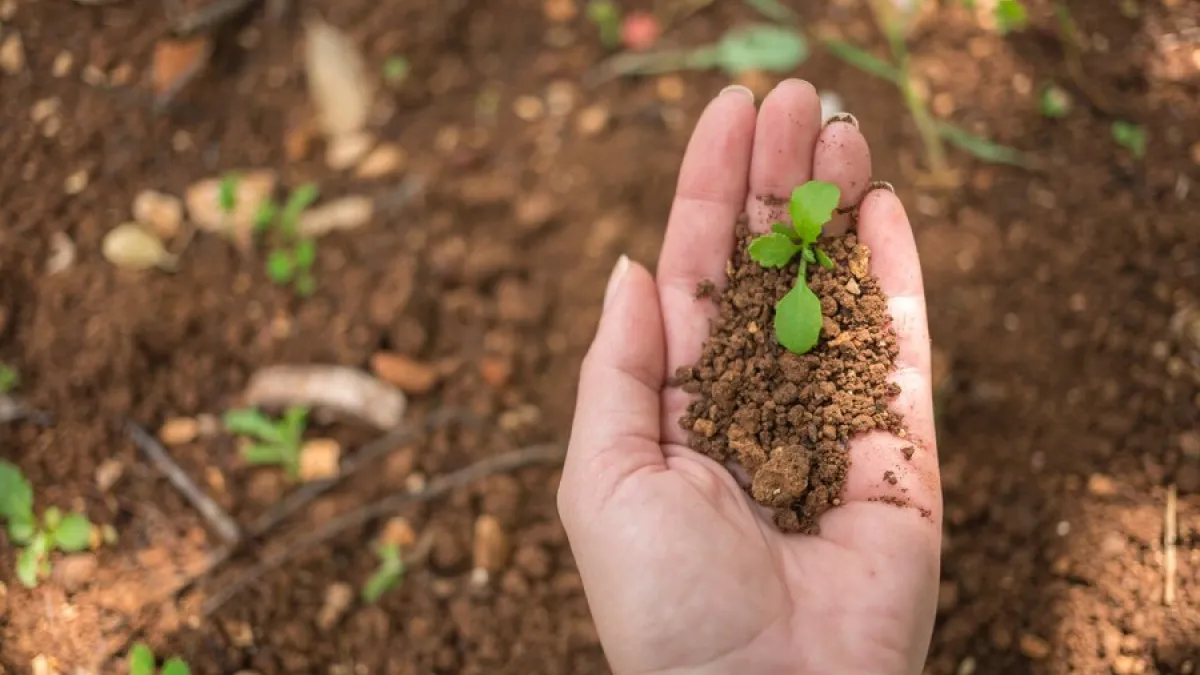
{"x": 607, "y": 17}
{"x": 1054, "y": 102}
{"x": 387, "y": 576}
{"x": 396, "y": 70}
{"x": 1130, "y": 136}
{"x": 143, "y": 662}
{"x": 895, "y": 24}
{"x": 275, "y": 442}
{"x": 1011, "y": 15}
{"x": 227, "y": 193}
{"x": 8, "y": 378}
{"x": 291, "y": 259}
{"x": 69, "y": 532}
{"x": 798, "y": 313}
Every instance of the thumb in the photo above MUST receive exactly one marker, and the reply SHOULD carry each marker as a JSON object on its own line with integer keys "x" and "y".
{"x": 616, "y": 426}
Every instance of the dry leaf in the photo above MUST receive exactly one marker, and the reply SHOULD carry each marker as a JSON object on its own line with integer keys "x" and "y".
{"x": 339, "y": 388}
{"x": 176, "y": 63}
{"x": 338, "y": 79}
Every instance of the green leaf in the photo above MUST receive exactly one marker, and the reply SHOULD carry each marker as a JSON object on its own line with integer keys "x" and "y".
{"x": 798, "y": 319}
{"x": 396, "y": 69}
{"x": 824, "y": 260}
{"x": 761, "y": 47}
{"x": 294, "y": 420}
{"x": 784, "y": 229}
{"x": 387, "y": 576}
{"x": 175, "y": 666}
{"x": 773, "y": 250}
{"x": 305, "y": 254}
{"x": 280, "y": 266}
{"x": 812, "y": 206}
{"x": 300, "y": 199}
{"x": 27, "y": 566}
{"x": 808, "y": 255}
{"x": 73, "y": 534}
{"x": 251, "y": 422}
{"x": 982, "y": 148}
{"x": 227, "y": 192}
{"x": 51, "y": 518}
{"x": 1054, "y": 102}
{"x": 1130, "y": 136}
{"x": 8, "y": 378}
{"x": 21, "y": 530}
{"x": 265, "y": 215}
{"x": 141, "y": 660}
{"x": 16, "y": 494}
{"x": 772, "y": 9}
{"x": 864, "y": 61}
{"x": 1011, "y": 15}
{"x": 264, "y": 454}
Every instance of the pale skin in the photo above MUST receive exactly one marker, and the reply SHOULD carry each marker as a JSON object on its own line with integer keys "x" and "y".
{"x": 683, "y": 573}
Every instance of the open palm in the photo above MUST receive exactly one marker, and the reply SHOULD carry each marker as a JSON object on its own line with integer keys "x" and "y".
{"x": 682, "y": 571}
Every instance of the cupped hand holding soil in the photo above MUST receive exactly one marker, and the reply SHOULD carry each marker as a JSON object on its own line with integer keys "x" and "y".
{"x": 684, "y": 570}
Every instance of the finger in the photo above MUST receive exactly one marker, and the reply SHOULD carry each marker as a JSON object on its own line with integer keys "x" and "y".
{"x": 901, "y": 469}
{"x": 616, "y": 426}
{"x": 785, "y": 140}
{"x": 710, "y": 194}
{"x": 843, "y": 158}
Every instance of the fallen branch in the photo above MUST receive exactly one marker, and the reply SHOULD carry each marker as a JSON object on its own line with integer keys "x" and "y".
{"x": 1170, "y": 534}
{"x": 365, "y": 456}
{"x": 216, "y": 517}
{"x": 509, "y": 461}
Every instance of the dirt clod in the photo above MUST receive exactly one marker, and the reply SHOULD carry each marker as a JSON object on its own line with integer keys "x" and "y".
{"x": 787, "y": 418}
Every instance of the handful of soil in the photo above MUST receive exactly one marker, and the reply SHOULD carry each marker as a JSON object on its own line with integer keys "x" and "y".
{"x": 787, "y": 418}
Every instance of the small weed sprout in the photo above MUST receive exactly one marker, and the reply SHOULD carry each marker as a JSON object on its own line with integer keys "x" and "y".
{"x": 69, "y": 532}
{"x": 1130, "y": 136}
{"x": 143, "y": 662}
{"x": 291, "y": 259}
{"x": 387, "y": 576}
{"x": 275, "y": 442}
{"x": 1054, "y": 102}
{"x": 396, "y": 70}
{"x": 8, "y": 378}
{"x": 607, "y": 17}
{"x": 227, "y": 193}
{"x": 798, "y": 314}
{"x": 1011, "y": 15}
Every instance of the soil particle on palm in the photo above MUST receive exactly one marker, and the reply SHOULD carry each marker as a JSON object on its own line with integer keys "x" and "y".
{"x": 787, "y": 418}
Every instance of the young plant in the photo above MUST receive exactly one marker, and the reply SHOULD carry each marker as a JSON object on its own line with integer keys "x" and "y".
{"x": 798, "y": 313}
{"x": 227, "y": 193}
{"x": 143, "y": 662}
{"x": 607, "y": 17}
{"x": 1054, "y": 102}
{"x": 1011, "y": 15}
{"x": 69, "y": 532}
{"x": 8, "y": 378}
{"x": 387, "y": 576}
{"x": 396, "y": 69}
{"x": 291, "y": 260}
{"x": 1130, "y": 136}
{"x": 275, "y": 442}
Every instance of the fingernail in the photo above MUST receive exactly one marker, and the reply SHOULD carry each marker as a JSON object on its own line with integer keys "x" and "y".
{"x": 614, "y": 279}
{"x": 843, "y": 117}
{"x": 881, "y": 185}
{"x": 738, "y": 89}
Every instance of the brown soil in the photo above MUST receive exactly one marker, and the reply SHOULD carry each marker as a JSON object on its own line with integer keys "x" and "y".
{"x": 785, "y": 418}
{"x": 1067, "y": 405}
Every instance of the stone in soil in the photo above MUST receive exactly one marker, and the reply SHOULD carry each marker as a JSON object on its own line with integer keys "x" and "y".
{"x": 787, "y": 418}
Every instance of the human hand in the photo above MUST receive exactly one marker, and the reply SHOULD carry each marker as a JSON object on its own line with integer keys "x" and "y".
{"x": 683, "y": 572}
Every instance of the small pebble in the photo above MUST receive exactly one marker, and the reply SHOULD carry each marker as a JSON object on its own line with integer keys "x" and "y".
{"x": 75, "y": 183}
{"x": 43, "y": 109}
{"x": 161, "y": 212}
{"x": 108, "y": 473}
{"x": 1101, "y": 485}
{"x": 73, "y": 572}
{"x": 384, "y": 160}
{"x": 670, "y": 88}
{"x": 560, "y": 11}
{"x": 529, "y": 108}
{"x": 62, "y": 64}
{"x": 490, "y": 551}
{"x": 93, "y": 76}
{"x": 398, "y": 532}
{"x": 592, "y": 120}
{"x": 178, "y": 431}
{"x": 407, "y": 374}
{"x": 338, "y": 598}
{"x": 12, "y": 54}
{"x": 346, "y": 150}
{"x": 1034, "y": 647}
{"x": 320, "y": 459}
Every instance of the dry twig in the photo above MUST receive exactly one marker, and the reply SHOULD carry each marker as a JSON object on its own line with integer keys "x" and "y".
{"x": 1170, "y": 534}
{"x": 210, "y": 510}
{"x": 509, "y": 461}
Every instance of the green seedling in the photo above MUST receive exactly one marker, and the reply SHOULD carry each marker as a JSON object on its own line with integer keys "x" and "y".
{"x": 607, "y": 17}
{"x": 769, "y": 48}
{"x": 227, "y": 193}
{"x": 1054, "y": 102}
{"x": 69, "y": 532}
{"x": 274, "y": 442}
{"x": 396, "y": 70}
{"x": 798, "y": 313}
{"x": 387, "y": 576}
{"x": 1011, "y": 15}
{"x": 1130, "y": 136}
{"x": 143, "y": 662}
{"x": 8, "y": 378}
{"x": 291, "y": 260}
